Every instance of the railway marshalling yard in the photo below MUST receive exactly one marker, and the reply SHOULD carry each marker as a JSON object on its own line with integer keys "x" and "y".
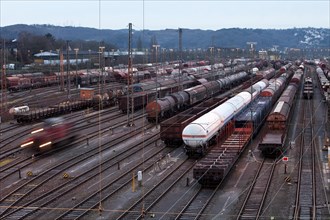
{"x": 115, "y": 171}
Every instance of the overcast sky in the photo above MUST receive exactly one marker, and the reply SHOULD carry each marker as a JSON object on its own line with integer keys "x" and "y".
{"x": 159, "y": 15}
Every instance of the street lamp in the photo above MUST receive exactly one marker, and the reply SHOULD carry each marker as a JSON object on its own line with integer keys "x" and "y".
{"x": 113, "y": 60}
{"x": 171, "y": 54}
{"x": 67, "y": 69}
{"x": 50, "y": 61}
{"x": 163, "y": 60}
{"x": 147, "y": 60}
{"x": 156, "y": 46}
{"x": 76, "y": 50}
{"x": 219, "y": 54}
{"x": 212, "y": 63}
{"x": 89, "y": 61}
{"x": 59, "y": 69}
{"x": 101, "y": 67}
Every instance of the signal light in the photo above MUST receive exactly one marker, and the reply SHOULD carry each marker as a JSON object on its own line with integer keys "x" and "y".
{"x": 45, "y": 144}
{"x": 36, "y": 131}
{"x": 26, "y": 144}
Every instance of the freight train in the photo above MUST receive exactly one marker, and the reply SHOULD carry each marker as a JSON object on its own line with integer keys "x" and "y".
{"x": 53, "y": 133}
{"x": 31, "y": 115}
{"x": 171, "y": 129}
{"x": 212, "y": 169}
{"x": 167, "y": 106}
{"x": 226, "y": 112}
{"x": 272, "y": 144}
{"x": 204, "y": 131}
{"x": 146, "y": 92}
{"x": 26, "y": 81}
{"x": 257, "y": 111}
{"x": 143, "y": 93}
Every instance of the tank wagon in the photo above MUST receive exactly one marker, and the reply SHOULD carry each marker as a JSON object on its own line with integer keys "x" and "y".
{"x": 122, "y": 75}
{"x": 171, "y": 129}
{"x": 204, "y": 131}
{"x": 272, "y": 144}
{"x": 164, "y": 83}
{"x": 169, "y": 105}
{"x": 266, "y": 74}
{"x": 285, "y": 68}
{"x": 19, "y": 109}
{"x": 54, "y": 131}
{"x": 146, "y": 92}
{"x": 107, "y": 99}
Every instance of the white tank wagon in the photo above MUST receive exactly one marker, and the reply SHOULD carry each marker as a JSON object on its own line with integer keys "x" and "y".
{"x": 199, "y": 133}
{"x": 20, "y": 109}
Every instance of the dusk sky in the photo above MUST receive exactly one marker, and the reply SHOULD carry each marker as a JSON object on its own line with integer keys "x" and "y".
{"x": 159, "y": 15}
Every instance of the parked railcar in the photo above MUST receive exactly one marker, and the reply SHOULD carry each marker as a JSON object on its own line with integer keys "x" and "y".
{"x": 275, "y": 88}
{"x": 24, "y": 81}
{"x": 285, "y": 68}
{"x": 15, "y": 83}
{"x": 109, "y": 98}
{"x": 52, "y": 111}
{"x": 150, "y": 88}
{"x": 255, "y": 114}
{"x": 19, "y": 109}
{"x": 324, "y": 83}
{"x": 296, "y": 78}
{"x": 140, "y": 99}
{"x": 266, "y": 74}
{"x": 184, "y": 81}
{"x": 272, "y": 143}
{"x": 171, "y": 129}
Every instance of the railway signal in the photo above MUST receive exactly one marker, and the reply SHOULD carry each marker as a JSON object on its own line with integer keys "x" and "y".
{"x": 285, "y": 160}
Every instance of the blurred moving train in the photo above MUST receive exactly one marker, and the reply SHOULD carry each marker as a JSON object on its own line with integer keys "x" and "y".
{"x": 53, "y": 133}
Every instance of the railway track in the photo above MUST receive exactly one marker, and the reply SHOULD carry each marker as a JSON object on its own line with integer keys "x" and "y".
{"x": 8, "y": 149}
{"x": 35, "y": 186}
{"x": 306, "y": 202}
{"x": 257, "y": 192}
{"x": 146, "y": 202}
{"x": 197, "y": 204}
{"x": 61, "y": 194}
{"x": 13, "y": 167}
